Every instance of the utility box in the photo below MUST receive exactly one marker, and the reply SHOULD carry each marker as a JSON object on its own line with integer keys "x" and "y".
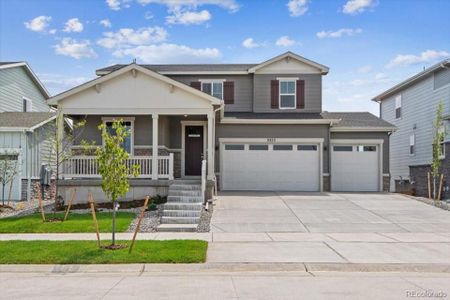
{"x": 45, "y": 175}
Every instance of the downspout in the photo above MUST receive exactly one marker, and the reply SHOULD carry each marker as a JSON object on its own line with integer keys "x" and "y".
{"x": 329, "y": 155}
{"x": 221, "y": 108}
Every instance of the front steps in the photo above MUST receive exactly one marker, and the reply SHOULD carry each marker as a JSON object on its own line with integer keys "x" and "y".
{"x": 182, "y": 211}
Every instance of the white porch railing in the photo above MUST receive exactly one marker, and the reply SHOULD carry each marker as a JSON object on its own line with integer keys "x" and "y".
{"x": 87, "y": 167}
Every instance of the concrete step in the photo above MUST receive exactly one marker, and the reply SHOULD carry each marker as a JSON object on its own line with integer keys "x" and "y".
{"x": 179, "y": 220}
{"x": 177, "y": 227}
{"x": 181, "y": 213}
{"x": 185, "y": 187}
{"x": 193, "y": 193}
{"x": 196, "y": 206}
{"x": 184, "y": 199}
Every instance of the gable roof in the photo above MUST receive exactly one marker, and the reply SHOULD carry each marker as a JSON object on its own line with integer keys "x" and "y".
{"x": 323, "y": 69}
{"x": 34, "y": 78}
{"x": 24, "y": 121}
{"x": 410, "y": 81}
{"x": 54, "y": 100}
{"x": 358, "y": 121}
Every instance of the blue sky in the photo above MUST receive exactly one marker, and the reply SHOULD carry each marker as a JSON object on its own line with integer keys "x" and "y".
{"x": 369, "y": 45}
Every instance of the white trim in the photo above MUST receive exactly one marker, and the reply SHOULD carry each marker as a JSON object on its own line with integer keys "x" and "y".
{"x": 136, "y": 111}
{"x": 102, "y": 73}
{"x": 288, "y": 94}
{"x": 270, "y": 140}
{"x": 357, "y": 141}
{"x": 124, "y": 119}
{"x": 211, "y": 80}
{"x": 54, "y": 100}
{"x": 311, "y": 63}
{"x": 185, "y": 123}
{"x": 228, "y": 120}
{"x": 386, "y": 174}
{"x": 30, "y": 72}
{"x": 29, "y": 104}
{"x": 362, "y": 129}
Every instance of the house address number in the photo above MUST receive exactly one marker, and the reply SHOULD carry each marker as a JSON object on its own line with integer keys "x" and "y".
{"x": 271, "y": 140}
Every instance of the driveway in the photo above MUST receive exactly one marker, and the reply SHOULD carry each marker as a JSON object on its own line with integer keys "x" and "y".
{"x": 328, "y": 228}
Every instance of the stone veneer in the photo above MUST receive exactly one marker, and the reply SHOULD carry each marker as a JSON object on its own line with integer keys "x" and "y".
{"x": 49, "y": 191}
{"x": 419, "y": 179}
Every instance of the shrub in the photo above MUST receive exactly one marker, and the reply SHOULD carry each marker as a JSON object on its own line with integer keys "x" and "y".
{"x": 158, "y": 199}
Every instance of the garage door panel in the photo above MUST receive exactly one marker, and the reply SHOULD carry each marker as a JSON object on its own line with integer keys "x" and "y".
{"x": 283, "y": 170}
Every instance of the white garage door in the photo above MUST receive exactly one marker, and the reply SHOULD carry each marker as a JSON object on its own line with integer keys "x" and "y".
{"x": 10, "y": 162}
{"x": 270, "y": 167}
{"x": 355, "y": 168}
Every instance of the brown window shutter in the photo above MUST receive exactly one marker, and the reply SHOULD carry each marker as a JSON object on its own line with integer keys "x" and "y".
{"x": 274, "y": 93}
{"x": 196, "y": 85}
{"x": 228, "y": 92}
{"x": 300, "y": 94}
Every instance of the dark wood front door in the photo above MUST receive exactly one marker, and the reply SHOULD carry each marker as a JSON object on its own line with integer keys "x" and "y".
{"x": 193, "y": 150}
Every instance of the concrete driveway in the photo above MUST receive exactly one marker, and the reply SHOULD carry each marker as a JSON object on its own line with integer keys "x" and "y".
{"x": 328, "y": 228}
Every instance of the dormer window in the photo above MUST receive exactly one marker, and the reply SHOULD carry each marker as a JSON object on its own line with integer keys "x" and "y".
{"x": 288, "y": 94}
{"x": 213, "y": 87}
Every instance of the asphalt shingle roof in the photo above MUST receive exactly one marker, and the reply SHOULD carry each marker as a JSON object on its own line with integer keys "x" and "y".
{"x": 185, "y": 67}
{"x": 23, "y": 119}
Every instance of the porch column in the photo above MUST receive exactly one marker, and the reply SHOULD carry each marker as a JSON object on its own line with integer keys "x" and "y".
{"x": 210, "y": 147}
{"x": 155, "y": 147}
{"x": 59, "y": 140}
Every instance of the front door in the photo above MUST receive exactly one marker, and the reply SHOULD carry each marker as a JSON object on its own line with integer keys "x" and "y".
{"x": 193, "y": 150}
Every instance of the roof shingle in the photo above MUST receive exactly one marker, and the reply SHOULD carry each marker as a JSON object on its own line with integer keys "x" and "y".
{"x": 23, "y": 119}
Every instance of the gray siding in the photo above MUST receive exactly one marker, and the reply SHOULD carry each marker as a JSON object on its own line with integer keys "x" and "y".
{"x": 15, "y": 83}
{"x": 313, "y": 92}
{"x": 419, "y": 103}
{"x": 368, "y": 136}
{"x": 273, "y": 131}
{"x": 243, "y": 89}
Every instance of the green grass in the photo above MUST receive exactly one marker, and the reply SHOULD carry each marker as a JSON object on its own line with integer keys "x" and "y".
{"x": 87, "y": 252}
{"x": 74, "y": 223}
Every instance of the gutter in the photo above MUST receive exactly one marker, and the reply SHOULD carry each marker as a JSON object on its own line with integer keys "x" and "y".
{"x": 280, "y": 121}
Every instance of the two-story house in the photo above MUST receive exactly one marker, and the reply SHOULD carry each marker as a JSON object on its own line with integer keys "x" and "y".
{"x": 259, "y": 127}
{"x": 24, "y": 126}
{"x": 411, "y": 106}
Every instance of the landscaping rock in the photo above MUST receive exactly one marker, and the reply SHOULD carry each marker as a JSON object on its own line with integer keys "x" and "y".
{"x": 150, "y": 221}
{"x": 205, "y": 219}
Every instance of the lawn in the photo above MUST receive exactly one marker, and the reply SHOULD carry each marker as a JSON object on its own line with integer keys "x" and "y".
{"x": 87, "y": 252}
{"x": 75, "y": 223}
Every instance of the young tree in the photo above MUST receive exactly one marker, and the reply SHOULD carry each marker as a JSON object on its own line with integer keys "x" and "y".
{"x": 8, "y": 171}
{"x": 438, "y": 137}
{"x": 112, "y": 166}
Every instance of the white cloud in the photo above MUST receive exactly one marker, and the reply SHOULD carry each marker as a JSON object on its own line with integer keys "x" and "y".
{"x": 353, "y": 7}
{"x": 57, "y": 83}
{"x": 118, "y": 4}
{"x": 297, "y": 7}
{"x": 381, "y": 76}
{"x": 76, "y": 49}
{"x": 250, "y": 43}
{"x": 52, "y": 31}
{"x": 230, "y": 5}
{"x": 364, "y": 69}
{"x": 338, "y": 33}
{"x": 38, "y": 24}
{"x": 170, "y": 53}
{"x": 411, "y": 59}
{"x": 148, "y": 15}
{"x": 106, "y": 23}
{"x": 127, "y": 37}
{"x": 284, "y": 41}
{"x": 73, "y": 25}
{"x": 188, "y": 17}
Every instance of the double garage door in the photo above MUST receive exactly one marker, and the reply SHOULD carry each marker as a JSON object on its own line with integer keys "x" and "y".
{"x": 270, "y": 167}
{"x": 296, "y": 167}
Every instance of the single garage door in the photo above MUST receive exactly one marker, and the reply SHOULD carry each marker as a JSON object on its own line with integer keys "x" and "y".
{"x": 355, "y": 168}
{"x": 270, "y": 167}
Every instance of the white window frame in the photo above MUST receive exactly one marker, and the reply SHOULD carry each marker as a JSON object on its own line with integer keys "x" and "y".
{"x": 212, "y": 81}
{"x": 124, "y": 119}
{"x": 442, "y": 129}
{"x": 29, "y": 104}
{"x": 287, "y": 94}
{"x": 398, "y": 104}
{"x": 412, "y": 143}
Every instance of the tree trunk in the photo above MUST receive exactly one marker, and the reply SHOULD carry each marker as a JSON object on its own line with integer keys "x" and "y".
{"x": 3, "y": 194}
{"x": 434, "y": 187}
{"x": 114, "y": 224}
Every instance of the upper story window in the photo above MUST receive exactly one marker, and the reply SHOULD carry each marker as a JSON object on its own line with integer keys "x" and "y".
{"x": 398, "y": 107}
{"x": 213, "y": 87}
{"x": 412, "y": 144}
{"x": 27, "y": 105}
{"x": 287, "y": 94}
{"x": 442, "y": 142}
{"x": 129, "y": 125}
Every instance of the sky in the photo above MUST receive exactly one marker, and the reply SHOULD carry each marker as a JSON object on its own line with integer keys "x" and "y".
{"x": 369, "y": 45}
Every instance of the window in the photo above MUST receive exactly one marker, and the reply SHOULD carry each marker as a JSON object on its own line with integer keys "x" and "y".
{"x": 412, "y": 144}
{"x": 214, "y": 88}
{"x": 259, "y": 147}
{"x": 27, "y": 105}
{"x": 128, "y": 142}
{"x": 398, "y": 107}
{"x": 234, "y": 147}
{"x": 282, "y": 147}
{"x": 442, "y": 142}
{"x": 287, "y": 94}
{"x": 343, "y": 148}
{"x": 362, "y": 148}
{"x": 307, "y": 147}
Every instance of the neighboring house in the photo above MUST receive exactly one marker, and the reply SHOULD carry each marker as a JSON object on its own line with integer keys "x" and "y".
{"x": 411, "y": 106}
{"x": 24, "y": 124}
{"x": 259, "y": 127}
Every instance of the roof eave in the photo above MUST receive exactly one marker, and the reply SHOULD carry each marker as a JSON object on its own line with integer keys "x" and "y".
{"x": 363, "y": 129}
